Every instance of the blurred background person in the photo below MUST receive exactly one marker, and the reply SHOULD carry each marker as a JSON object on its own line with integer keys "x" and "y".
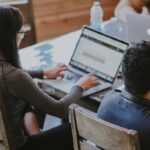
{"x": 132, "y": 6}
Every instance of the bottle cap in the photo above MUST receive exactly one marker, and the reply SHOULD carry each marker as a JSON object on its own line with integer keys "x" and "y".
{"x": 96, "y": 3}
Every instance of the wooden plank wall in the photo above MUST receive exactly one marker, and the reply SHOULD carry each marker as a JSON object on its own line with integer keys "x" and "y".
{"x": 56, "y": 17}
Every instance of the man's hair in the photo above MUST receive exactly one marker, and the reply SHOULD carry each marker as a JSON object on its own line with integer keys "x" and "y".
{"x": 136, "y": 68}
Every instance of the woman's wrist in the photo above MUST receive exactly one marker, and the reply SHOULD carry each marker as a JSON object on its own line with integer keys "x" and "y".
{"x": 79, "y": 87}
{"x": 44, "y": 73}
{"x": 82, "y": 89}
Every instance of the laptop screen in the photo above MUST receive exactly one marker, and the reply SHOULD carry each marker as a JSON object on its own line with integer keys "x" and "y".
{"x": 98, "y": 54}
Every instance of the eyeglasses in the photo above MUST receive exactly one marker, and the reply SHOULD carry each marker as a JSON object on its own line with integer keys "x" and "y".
{"x": 21, "y": 34}
{"x": 24, "y": 30}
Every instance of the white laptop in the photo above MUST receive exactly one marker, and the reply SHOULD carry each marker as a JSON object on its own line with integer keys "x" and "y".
{"x": 94, "y": 53}
{"x": 137, "y": 27}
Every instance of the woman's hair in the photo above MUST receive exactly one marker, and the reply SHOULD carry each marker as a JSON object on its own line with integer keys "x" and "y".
{"x": 11, "y": 22}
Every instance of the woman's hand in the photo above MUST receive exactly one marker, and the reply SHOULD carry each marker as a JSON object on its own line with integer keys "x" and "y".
{"x": 88, "y": 81}
{"x": 54, "y": 72}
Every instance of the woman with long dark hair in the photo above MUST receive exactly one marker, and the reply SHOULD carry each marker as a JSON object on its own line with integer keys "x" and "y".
{"x": 23, "y": 92}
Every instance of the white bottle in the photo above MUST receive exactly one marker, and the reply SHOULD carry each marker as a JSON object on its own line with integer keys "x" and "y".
{"x": 96, "y": 16}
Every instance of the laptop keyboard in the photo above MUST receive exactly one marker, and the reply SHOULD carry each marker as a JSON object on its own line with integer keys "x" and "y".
{"x": 72, "y": 76}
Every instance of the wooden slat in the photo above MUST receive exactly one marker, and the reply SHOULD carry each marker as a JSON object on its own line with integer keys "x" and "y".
{"x": 86, "y": 146}
{"x": 108, "y": 12}
{"x": 53, "y": 26}
{"x": 3, "y": 137}
{"x": 2, "y": 147}
{"x": 60, "y": 24}
{"x": 39, "y": 2}
{"x": 46, "y": 2}
{"x": 45, "y": 9}
{"x": 109, "y": 2}
{"x": 73, "y": 127}
{"x": 100, "y": 133}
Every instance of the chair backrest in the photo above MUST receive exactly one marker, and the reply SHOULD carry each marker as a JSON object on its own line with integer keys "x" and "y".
{"x": 93, "y": 133}
{"x": 5, "y": 131}
{"x": 5, "y": 138}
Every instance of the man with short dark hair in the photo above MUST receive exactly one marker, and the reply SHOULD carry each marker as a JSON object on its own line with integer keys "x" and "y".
{"x": 131, "y": 107}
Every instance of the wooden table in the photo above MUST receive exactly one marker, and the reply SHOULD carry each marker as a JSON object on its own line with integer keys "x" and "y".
{"x": 53, "y": 51}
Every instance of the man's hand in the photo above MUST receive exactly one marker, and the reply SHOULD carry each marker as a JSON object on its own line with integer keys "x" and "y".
{"x": 88, "y": 81}
{"x": 54, "y": 72}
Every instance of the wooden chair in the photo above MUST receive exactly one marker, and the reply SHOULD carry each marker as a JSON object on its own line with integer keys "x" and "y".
{"x": 5, "y": 137}
{"x": 92, "y": 133}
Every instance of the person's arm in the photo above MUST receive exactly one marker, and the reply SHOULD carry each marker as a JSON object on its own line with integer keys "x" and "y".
{"x": 50, "y": 73}
{"x": 137, "y": 5}
{"x": 21, "y": 85}
{"x": 129, "y": 6}
{"x": 35, "y": 73}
